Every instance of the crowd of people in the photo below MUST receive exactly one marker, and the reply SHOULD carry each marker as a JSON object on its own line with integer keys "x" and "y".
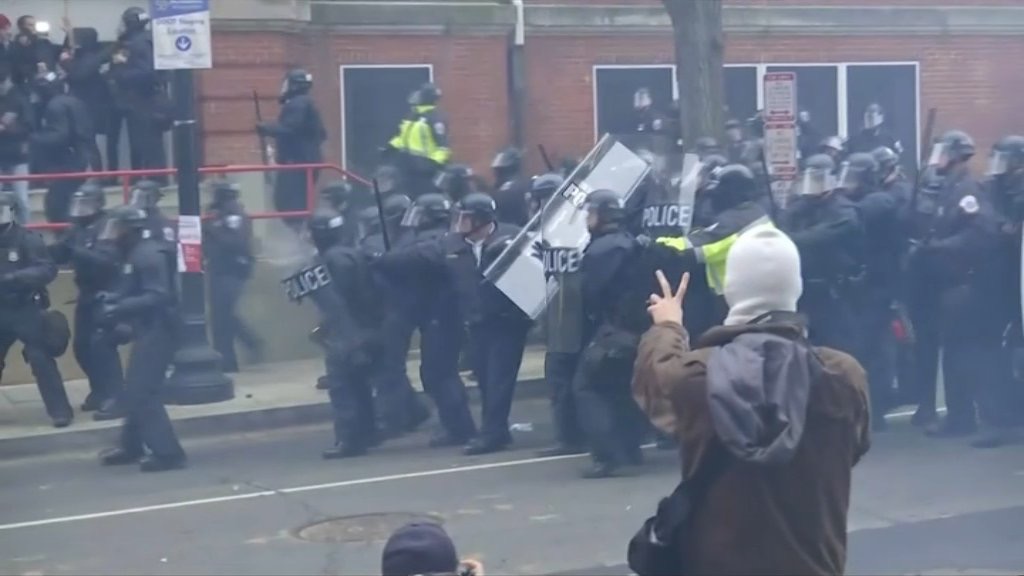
{"x": 57, "y": 100}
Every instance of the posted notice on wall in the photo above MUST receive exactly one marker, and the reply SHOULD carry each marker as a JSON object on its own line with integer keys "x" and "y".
{"x": 181, "y": 34}
{"x": 190, "y": 244}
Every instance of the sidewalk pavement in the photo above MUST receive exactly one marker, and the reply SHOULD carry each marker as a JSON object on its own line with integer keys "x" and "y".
{"x": 267, "y": 396}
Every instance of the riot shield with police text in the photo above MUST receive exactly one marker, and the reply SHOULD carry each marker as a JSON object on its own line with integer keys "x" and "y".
{"x": 540, "y": 269}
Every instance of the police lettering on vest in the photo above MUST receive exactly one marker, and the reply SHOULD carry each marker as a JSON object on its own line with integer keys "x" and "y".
{"x": 305, "y": 282}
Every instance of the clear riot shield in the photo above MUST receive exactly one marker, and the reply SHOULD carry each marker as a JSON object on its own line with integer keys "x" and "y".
{"x": 540, "y": 269}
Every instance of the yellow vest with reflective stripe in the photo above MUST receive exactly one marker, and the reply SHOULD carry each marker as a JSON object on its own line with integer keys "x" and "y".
{"x": 713, "y": 254}
{"x": 416, "y": 136}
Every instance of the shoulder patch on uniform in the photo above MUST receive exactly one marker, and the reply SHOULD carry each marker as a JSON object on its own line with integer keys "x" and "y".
{"x": 897, "y": 147}
{"x": 127, "y": 269}
{"x": 969, "y": 204}
{"x": 146, "y": 234}
{"x": 439, "y": 128}
{"x": 169, "y": 234}
{"x": 656, "y": 124}
{"x": 13, "y": 256}
{"x": 234, "y": 221}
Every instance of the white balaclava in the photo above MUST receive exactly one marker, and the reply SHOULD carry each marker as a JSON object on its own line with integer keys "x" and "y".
{"x": 762, "y": 275}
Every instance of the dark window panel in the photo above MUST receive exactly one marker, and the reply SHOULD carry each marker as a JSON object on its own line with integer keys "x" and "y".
{"x": 615, "y": 88}
{"x": 894, "y": 87}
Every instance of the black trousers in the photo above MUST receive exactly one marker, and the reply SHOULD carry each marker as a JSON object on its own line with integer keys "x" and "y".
{"x": 924, "y": 313}
{"x": 25, "y": 323}
{"x": 351, "y": 395}
{"x": 559, "y": 369}
{"x": 225, "y": 324}
{"x": 146, "y": 424}
{"x": 832, "y": 319}
{"x": 440, "y": 345}
{"x": 290, "y": 194}
{"x": 146, "y": 140}
{"x": 57, "y": 202}
{"x": 398, "y": 402}
{"x": 878, "y": 352}
{"x": 612, "y": 421}
{"x": 96, "y": 352}
{"x": 113, "y": 129}
{"x": 497, "y": 354}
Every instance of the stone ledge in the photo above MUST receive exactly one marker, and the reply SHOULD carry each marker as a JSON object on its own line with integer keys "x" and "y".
{"x": 481, "y": 16}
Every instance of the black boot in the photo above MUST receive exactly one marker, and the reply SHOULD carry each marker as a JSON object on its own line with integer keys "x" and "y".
{"x": 110, "y": 410}
{"x": 118, "y": 457}
{"x": 483, "y": 445}
{"x": 343, "y": 450}
{"x": 600, "y": 470}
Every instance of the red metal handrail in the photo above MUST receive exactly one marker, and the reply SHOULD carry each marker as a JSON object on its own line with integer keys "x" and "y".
{"x": 126, "y": 175}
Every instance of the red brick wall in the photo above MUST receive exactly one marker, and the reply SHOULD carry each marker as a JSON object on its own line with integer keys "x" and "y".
{"x": 970, "y": 79}
{"x": 470, "y": 69}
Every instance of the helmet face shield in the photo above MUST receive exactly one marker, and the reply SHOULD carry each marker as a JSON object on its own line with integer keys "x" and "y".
{"x": 113, "y": 229}
{"x": 850, "y": 178}
{"x": 998, "y": 163}
{"x": 462, "y": 222}
{"x": 82, "y": 206}
{"x": 940, "y": 155}
{"x": 814, "y": 182}
{"x": 413, "y": 217}
{"x": 6, "y": 215}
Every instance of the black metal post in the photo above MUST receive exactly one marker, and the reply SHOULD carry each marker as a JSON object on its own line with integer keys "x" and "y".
{"x": 197, "y": 377}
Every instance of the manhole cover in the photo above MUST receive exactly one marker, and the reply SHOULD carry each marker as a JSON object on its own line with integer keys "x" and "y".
{"x": 360, "y": 528}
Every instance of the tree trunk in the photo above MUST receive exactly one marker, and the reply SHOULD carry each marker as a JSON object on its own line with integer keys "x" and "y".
{"x": 699, "y": 44}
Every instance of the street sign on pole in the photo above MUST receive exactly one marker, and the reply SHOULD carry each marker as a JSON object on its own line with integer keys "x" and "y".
{"x": 781, "y": 140}
{"x": 780, "y": 97}
{"x": 181, "y": 34}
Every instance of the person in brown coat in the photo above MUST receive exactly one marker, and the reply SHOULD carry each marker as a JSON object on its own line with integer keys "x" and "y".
{"x": 789, "y": 421}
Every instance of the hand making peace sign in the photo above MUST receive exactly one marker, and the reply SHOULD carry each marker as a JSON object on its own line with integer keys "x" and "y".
{"x": 668, "y": 306}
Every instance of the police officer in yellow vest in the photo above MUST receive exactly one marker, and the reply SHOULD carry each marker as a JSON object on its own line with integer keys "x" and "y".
{"x": 422, "y": 142}
{"x": 736, "y": 209}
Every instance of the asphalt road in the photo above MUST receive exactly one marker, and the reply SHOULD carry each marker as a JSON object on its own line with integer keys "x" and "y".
{"x": 247, "y": 503}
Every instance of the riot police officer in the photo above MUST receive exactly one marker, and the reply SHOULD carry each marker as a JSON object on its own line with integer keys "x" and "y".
{"x": 340, "y": 283}
{"x": 563, "y": 328}
{"x": 96, "y": 268}
{"x": 25, "y": 271}
{"x": 1000, "y": 399}
{"x": 144, "y": 305}
{"x": 421, "y": 143}
{"x": 298, "y": 135}
{"x": 613, "y": 311}
{"x": 229, "y": 264}
{"x": 648, "y": 118}
{"x": 880, "y": 211}
{"x": 341, "y": 196}
{"x": 834, "y": 147}
{"x": 510, "y": 188}
{"x": 456, "y": 182}
{"x": 497, "y": 327}
{"x": 146, "y": 195}
{"x": 400, "y": 408}
{"x": 431, "y": 302}
{"x": 828, "y": 232}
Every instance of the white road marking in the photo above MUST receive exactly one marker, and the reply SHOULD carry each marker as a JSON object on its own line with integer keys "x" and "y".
{"x": 293, "y": 490}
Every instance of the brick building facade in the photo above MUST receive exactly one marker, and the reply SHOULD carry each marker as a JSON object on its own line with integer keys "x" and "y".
{"x": 581, "y": 57}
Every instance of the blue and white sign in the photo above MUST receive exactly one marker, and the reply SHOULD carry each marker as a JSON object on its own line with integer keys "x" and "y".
{"x": 181, "y": 34}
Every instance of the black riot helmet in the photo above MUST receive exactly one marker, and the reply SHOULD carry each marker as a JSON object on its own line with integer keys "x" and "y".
{"x": 736, "y": 185}
{"x": 428, "y": 95}
{"x": 394, "y": 208}
{"x": 710, "y": 168}
{"x": 955, "y": 147}
{"x": 456, "y": 181}
{"x": 133, "y": 20}
{"x": 146, "y": 194}
{"x": 296, "y": 81}
{"x": 706, "y": 146}
{"x": 1007, "y": 158}
{"x": 604, "y": 209}
{"x": 88, "y": 201}
{"x": 832, "y": 145}
{"x": 326, "y": 227}
{"x": 508, "y": 159}
{"x": 225, "y": 192}
{"x": 8, "y": 205}
{"x": 125, "y": 224}
{"x": 473, "y": 213}
{"x": 817, "y": 177}
{"x": 337, "y": 194}
{"x": 858, "y": 173}
{"x": 734, "y": 130}
{"x": 888, "y": 161}
{"x": 542, "y": 188}
{"x": 428, "y": 212}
